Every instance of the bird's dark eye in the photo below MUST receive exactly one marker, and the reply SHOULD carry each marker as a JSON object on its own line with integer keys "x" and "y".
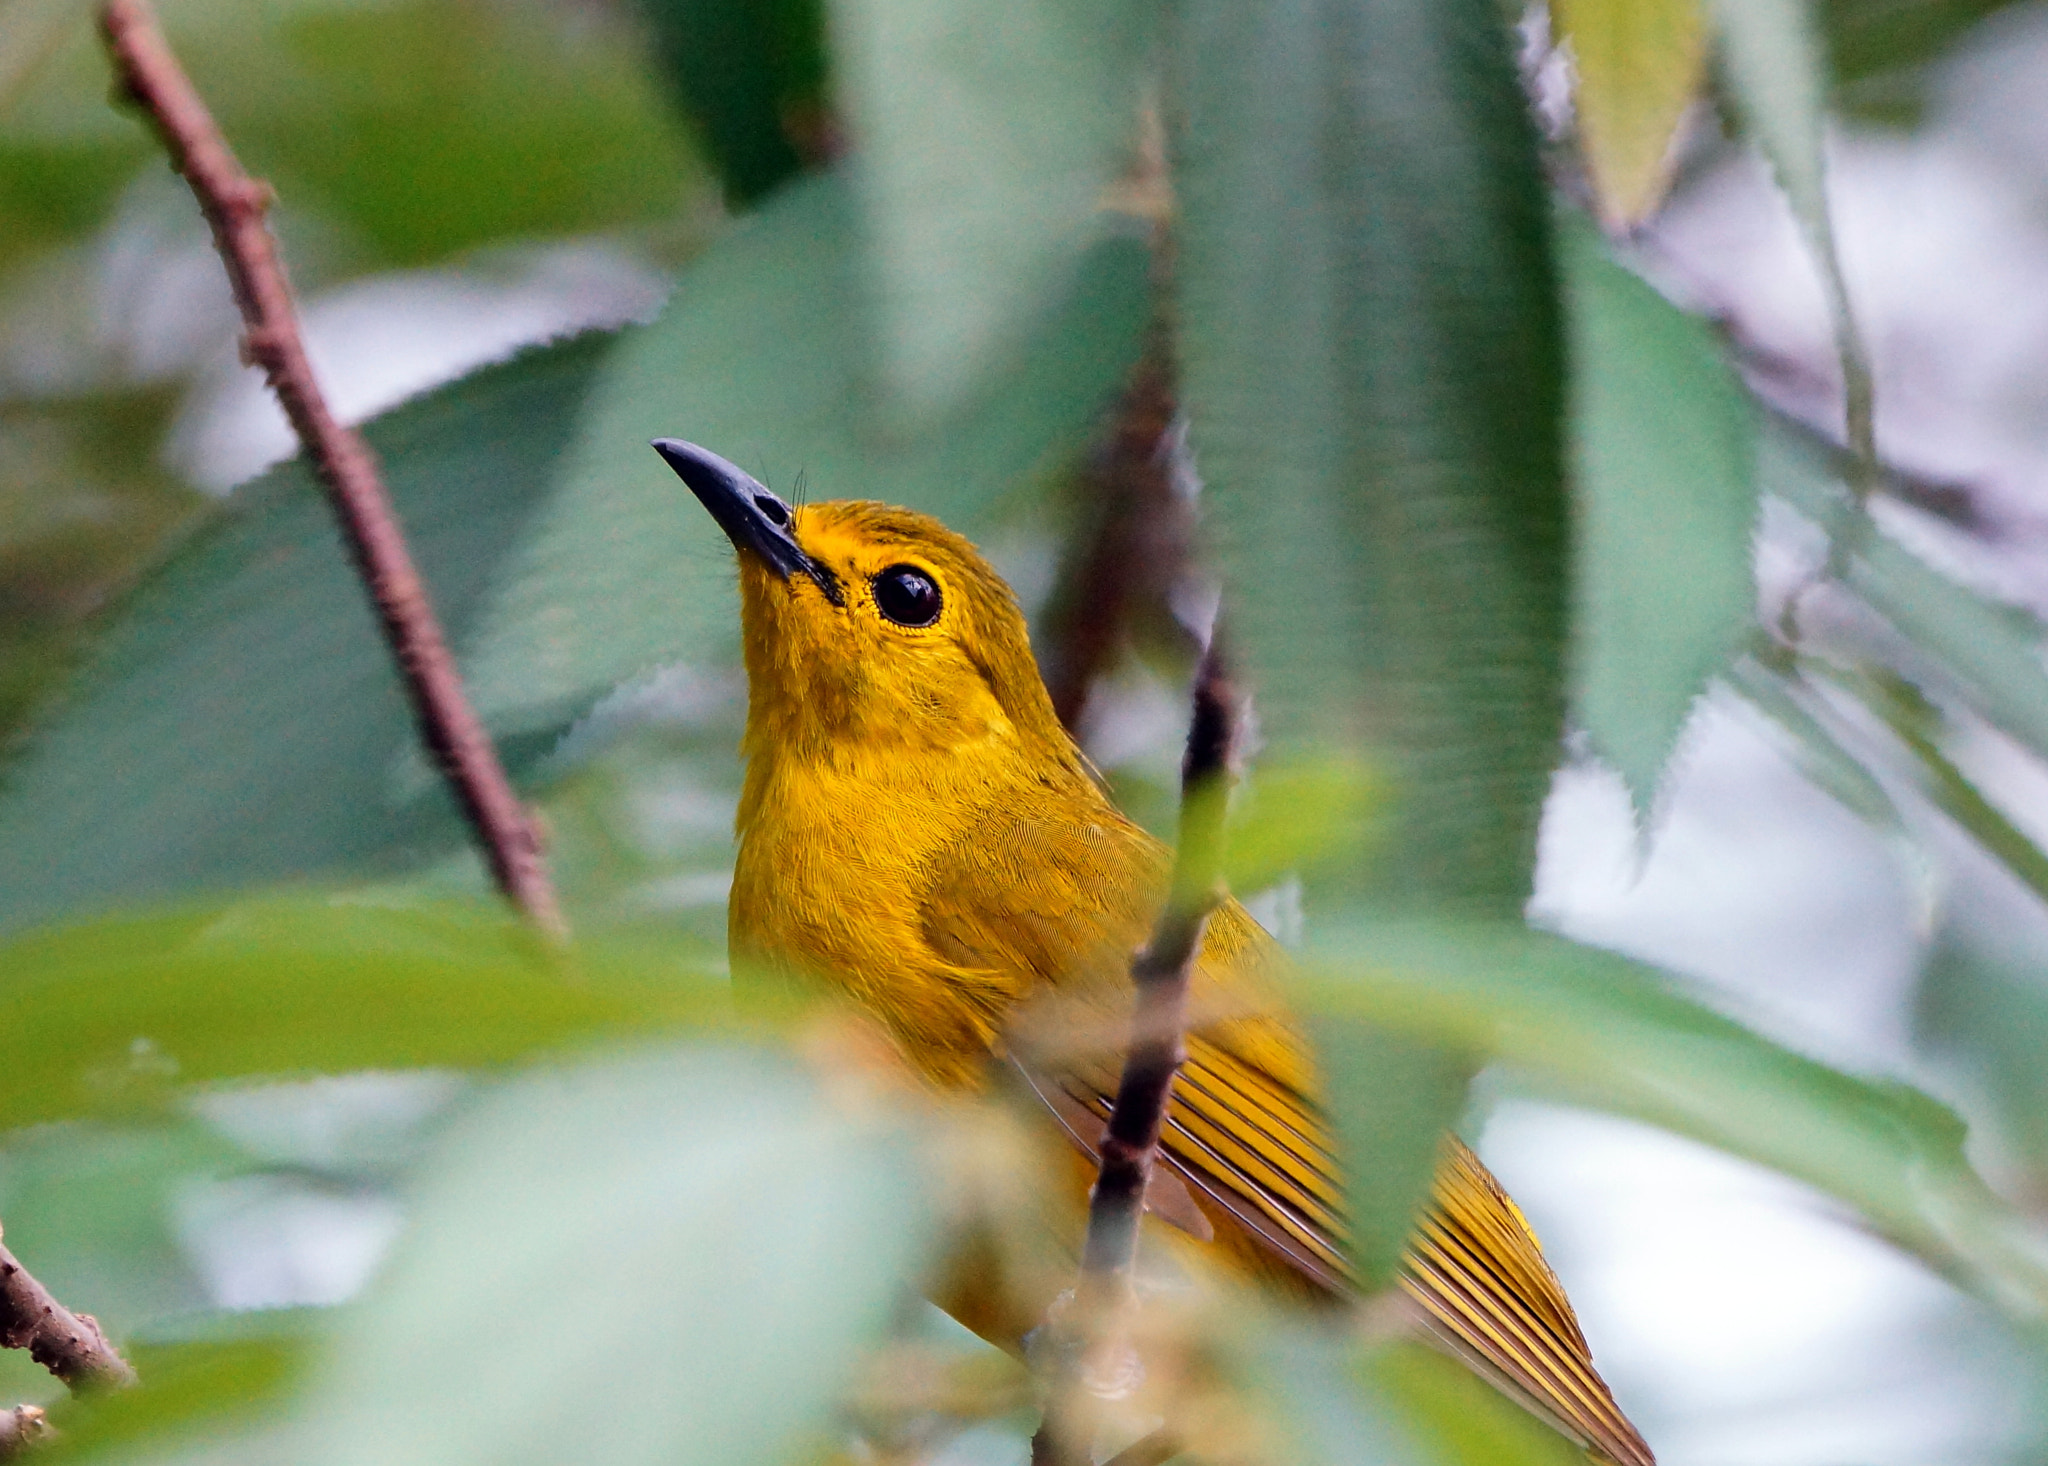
{"x": 907, "y": 596}
{"x": 773, "y": 510}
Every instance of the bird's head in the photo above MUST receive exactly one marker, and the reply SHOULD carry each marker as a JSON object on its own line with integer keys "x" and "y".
{"x": 866, "y": 622}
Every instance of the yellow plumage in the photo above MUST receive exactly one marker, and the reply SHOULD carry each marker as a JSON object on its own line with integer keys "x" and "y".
{"x": 917, "y": 828}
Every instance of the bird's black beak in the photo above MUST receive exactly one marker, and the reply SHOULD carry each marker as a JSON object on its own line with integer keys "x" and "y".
{"x": 756, "y": 521}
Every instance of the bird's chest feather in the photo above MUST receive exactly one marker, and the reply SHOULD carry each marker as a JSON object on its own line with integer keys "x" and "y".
{"x": 837, "y": 857}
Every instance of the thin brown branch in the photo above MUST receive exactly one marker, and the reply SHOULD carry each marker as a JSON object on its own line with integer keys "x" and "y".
{"x": 1134, "y": 539}
{"x": 69, "y": 1345}
{"x": 234, "y": 205}
{"x": 1160, "y": 973}
{"x": 21, "y": 1428}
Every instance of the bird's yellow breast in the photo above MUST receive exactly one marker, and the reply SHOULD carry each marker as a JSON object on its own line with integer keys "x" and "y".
{"x": 847, "y": 863}
{"x": 917, "y": 829}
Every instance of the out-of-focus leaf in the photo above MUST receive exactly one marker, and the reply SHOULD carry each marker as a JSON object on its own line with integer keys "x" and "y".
{"x": 1400, "y": 1403}
{"x": 1989, "y": 654}
{"x": 759, "y": 357}
{"x": 422, "y": 128}
{"x": 111, "y": 1013}
{"x": 1457, "y": 1419}
{"x": 1814, "y": 744}
{"x": 986, "y": 134}
{"x": 1664, "y": 447}
{"x": 92, "y": 1205}
{"x": 1390, "y": 1097}
{"x": 1774, "y": 66}
{"x": 431, "y": 128}
{"x": 1323, "y": 1412}
{"x": 1639, "y": 63}
{"x": 240, "y": 720}
{"x": 1822, "y": 758}
{"x": 1373, "y": 376}
{"x": 1598, "y": 1029}
{"x": 1868, "y": 37}
{"x": 1776, "y": 72}
{"x": 1982, "y": 1005}
{"x": 747, "y": 73}
{"x": 685, "y": 1251}
{"x": 84, "y": 507}
{"x": 1293, "y": 816}
{"x": 1374, "y": 384}
{"x": 1919, "y": 726}
{"x": 186, "y": 1387}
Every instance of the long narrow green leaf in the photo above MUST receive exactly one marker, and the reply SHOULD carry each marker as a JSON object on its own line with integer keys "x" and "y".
{"x": 104, "y": 1012}
{"x": 1374, "y": 380}
{"x": 1373, "y": 375}
{"x": 986, "y": 132}
{"x": 1598, "y": 1029}
{"x": 1771, "y": 55}
{"x": 1988, "y": 653}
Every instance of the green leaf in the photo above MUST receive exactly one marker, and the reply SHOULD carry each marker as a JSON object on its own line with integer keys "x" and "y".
{"x": 1772, "y": 56}
{"x": 92, "y": 1205}
{"x": 1373, "y": 374}
{"x": 744, "y": 71}
{"x": 1375, "y": 394}
{"x": 1664, "y": 447}
{"x": 1981, "y": 1005}
{"x": 240, "y": 720}
{"x": 1813, "y": 739}
{"x": 1338, "y": 1397}
{"x": 1985, "y": 652}
{"x": 1827, "y": 765}
{"x": 108, "y": 1014}
{"x": 189, "y": 1388}
{"x": 1294, "y": 816}
{"x": 759, "y": 357}
{"x": 1866, "y": 38}
{"x": 685, "y": 1250}
{"x": 1390, "y": 1098}
{"x": 986, "y": 134}
{"x": 1458, "y": 1419}
{"x": 1772, "y": 59}
{"x": 1323, "y": 1413}
{"x": 434, "y": 128}
{"x": 420, "y": 129}
{"x": 1639, "y": 64}
{"x": 1597, "y": 1029}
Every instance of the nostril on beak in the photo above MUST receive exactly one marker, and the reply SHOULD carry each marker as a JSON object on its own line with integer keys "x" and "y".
{"x": 773, "y": 510}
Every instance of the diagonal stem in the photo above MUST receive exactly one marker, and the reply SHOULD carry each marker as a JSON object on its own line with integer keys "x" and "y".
{"x": 234, "y": 205}
{"x": 1160, "y": 973}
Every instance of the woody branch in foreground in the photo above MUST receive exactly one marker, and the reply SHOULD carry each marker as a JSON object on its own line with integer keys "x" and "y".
{"x": 69, "y": 1345}
{"x": 1130, "y": 1144}
{"x": 234, "y": 205}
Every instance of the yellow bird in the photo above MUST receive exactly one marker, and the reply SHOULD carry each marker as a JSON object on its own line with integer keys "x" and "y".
{"x": 917, "y": 828}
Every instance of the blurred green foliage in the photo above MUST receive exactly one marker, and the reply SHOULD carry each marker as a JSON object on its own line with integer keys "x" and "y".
{"x": 1464, "y": 476}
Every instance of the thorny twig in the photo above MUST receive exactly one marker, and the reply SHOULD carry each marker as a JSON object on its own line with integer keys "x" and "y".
{"x": 234, "y": 205}
{"x": 1160, "y": 974}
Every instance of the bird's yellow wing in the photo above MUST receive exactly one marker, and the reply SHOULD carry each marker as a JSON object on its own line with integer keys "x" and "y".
{"x": 1244, "y": 1131}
